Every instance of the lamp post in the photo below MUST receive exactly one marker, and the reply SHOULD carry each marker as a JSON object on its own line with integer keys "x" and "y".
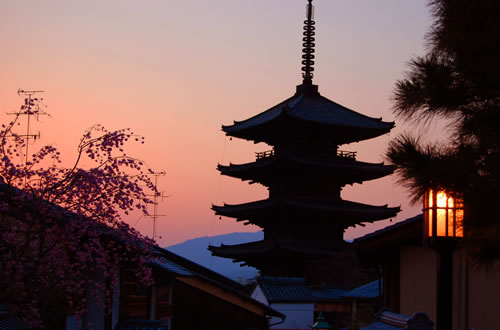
{"x": 321, "y": 323}
{"x": 444, "y": 214}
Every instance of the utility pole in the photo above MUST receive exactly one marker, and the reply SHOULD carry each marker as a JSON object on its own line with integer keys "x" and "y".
{"x": 31, "y": 107}
{"x": 156, "y": 196}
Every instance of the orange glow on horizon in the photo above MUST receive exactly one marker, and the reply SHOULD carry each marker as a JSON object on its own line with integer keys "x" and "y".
{"x": 175, "y": 71}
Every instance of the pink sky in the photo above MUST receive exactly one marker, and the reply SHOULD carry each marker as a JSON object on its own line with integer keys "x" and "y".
{"x": 174, "y": 71}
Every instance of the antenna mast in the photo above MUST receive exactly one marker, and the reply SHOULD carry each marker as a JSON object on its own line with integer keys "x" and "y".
{"x": 155, "y": 203}
{"x": 31, "y": 107}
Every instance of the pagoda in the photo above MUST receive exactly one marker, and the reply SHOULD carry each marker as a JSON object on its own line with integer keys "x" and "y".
{"x": 304, "y": 217}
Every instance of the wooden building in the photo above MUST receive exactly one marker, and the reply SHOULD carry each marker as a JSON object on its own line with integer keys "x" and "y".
{"x": 288, "y": 295}
{"x": 304, "y": 217}
{"x": 184, "y": 295}
{"x": 411, "y": 274}
{"x": 188, "y": 296}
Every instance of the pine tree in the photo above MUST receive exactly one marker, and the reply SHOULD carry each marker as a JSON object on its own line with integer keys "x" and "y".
{"x": 457, "y": 80}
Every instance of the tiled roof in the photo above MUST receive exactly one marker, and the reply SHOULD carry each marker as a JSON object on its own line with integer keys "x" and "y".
{"x": 317, "y": 116}
{"x": 195, "y": 268}
{"x": 171, "y": 267}
{"x": 387, "y": 320}
{"x": 369, "y": 290}
{"x": 357, "y": 212}
{"x": 12, "y": 323}
{"x": 284, "y": 289}
{"x": 327, "y": 293}
{"x": 313, "y": 108}
{"x": 265, "y": 247}
{"x": 183, "y": 267}
{"x": 399, "y": 224}
{"x": 345, "y": 170}
{"x": 393, "y": 318}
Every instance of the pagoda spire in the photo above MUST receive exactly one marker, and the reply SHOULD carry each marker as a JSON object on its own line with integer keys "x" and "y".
{"x": 304, "y": 215}
{"x": 308, "y": 44}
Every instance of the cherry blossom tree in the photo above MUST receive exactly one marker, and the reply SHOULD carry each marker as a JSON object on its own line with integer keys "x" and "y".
{"x": 60, "y": 226}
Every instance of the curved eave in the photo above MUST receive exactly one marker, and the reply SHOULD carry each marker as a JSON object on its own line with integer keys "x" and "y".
{"x": 257, "y": 120}
{"x": 241, "y": 252}
{"x": 353, "y": 212}
{"x": 241, "y": 211}
{"x": 346, "y": 170}
{"x": 314, "y": 113}
{"x": 285, "y": 127}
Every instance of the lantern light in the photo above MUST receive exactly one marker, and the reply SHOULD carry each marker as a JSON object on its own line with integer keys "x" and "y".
{"x": 444, "y": 214}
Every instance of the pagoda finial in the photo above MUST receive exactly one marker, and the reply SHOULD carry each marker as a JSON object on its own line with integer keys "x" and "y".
{"x": 308, "y": 44}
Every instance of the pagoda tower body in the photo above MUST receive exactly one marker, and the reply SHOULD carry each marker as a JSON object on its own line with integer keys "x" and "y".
{"x": 304, "y": 217}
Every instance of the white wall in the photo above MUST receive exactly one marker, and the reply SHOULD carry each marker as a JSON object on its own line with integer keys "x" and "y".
{"x": 298, "y": 316}
{"x": 258, "y": 295}
{"x": 95, "y": 316}
{"x": 95, "y": 305}
{"x": 418, "y": 281}
{"x": 72, "y": 323}
{"x": 482, "y": 295}
{"x": 115, "y": 312}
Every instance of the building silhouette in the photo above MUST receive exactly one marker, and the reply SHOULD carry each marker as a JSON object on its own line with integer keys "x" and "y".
{"x": 304, "y": 217}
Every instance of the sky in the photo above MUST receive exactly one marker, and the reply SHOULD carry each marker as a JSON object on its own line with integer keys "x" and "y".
{"x": 175, "y": 71}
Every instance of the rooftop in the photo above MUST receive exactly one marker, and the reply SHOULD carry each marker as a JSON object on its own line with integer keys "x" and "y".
{"x": 266, "y": 247}
{"x": 284, "y": 289}
{"x": 328, "y": 293}
{"x": 397, "y": 225}
{"x": 316, "y": 110}
{"x": 366, "y": 291}
{"x": 342, "y": 168}
{"x": 355, "y": 212}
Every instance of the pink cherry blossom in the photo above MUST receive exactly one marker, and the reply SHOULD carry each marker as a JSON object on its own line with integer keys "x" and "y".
{"x": 59, "y": 225}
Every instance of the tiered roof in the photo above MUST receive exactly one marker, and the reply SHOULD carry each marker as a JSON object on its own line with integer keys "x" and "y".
{"x": 344, "y": 170}
{"x": 246, "y": 251}
{"x": 259, "y": 212}
{"x": 308, "y": 111}
{"x": 284, "y": 289}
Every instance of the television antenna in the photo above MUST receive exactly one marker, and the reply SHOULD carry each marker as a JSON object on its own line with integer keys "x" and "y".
{"x": 156, "y": 197}
{"x": 32, "y": 107}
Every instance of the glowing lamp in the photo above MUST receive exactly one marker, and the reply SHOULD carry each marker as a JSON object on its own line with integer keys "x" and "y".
{"x": 444, "y": 214}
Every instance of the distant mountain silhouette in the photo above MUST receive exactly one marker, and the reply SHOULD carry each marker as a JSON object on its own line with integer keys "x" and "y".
{"x": 196, "y": 250}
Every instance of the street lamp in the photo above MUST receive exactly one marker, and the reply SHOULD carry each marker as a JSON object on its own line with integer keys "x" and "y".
{"x": 444, "y": 215}
{"x": 321, "y": 323}
{"x": 443, "y": 226}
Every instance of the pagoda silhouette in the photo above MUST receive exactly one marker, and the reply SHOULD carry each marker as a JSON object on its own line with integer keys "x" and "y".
{"x": 304, "y": 217}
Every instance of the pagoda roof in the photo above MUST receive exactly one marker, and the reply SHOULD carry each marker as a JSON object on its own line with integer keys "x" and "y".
{"x": 346, "y": 170}
{"x": 242, "y": 252}
{"x": 352, "y": 213}
{"x": 307, "y": 108}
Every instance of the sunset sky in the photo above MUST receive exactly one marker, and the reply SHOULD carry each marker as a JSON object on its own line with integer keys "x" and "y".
{"x": 175, "y": 71}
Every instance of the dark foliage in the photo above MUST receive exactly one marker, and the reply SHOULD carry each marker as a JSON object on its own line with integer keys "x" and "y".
{"x": 457, "y": 80}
